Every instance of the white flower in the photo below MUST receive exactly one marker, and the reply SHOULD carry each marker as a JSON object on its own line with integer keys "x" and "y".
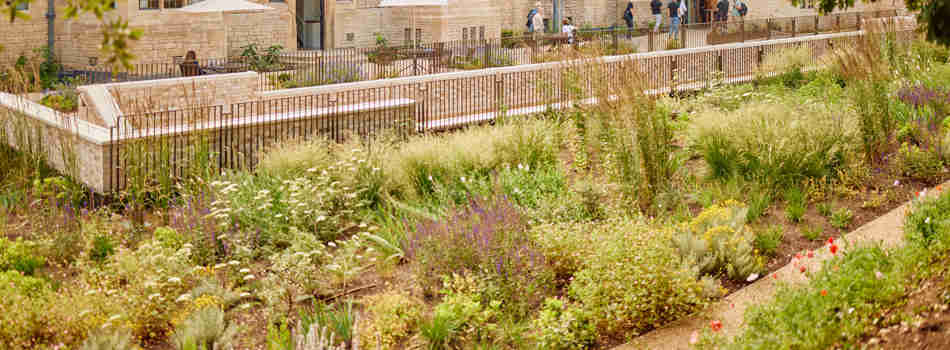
{"x": 234, "y": 263}
{"x": 174, "y": 280}
{"x": 248, "y": 277}
{"x": 331, "y": 244}
{"x": 897, "y": 182}
{"x": 430, "y": 178}
{"x": 153, "y": 296}
{"x": 321, "y": 218}
{"x": 362, "y": 225}
{"x": 183, "y": 297}
{"x": 245, "y": 295}
{"x": 219, "y": 266}
{"x": 245, "y": 270}
{"x": 520, "y": 167}
{"x": 752, "y": 277}
{"x": 463, "y": 178}
{"x": 114, "y": 317}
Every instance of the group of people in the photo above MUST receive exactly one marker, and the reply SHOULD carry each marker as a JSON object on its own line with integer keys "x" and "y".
{"x": 676, "y": 8}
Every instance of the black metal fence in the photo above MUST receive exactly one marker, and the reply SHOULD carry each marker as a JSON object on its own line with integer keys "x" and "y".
{"x": 325, "y": 67}
{"x": 162, "y": 147}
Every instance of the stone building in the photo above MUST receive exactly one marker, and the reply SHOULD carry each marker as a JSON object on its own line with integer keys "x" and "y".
{"x": 322, "y": 24}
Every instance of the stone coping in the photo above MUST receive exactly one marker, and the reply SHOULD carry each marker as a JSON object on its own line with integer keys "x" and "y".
{"x": 314, "y": 90}
{"x": 83, "y": 129}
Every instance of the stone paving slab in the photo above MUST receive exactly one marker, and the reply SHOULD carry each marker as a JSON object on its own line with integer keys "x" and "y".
{"x": 886, "y": 230}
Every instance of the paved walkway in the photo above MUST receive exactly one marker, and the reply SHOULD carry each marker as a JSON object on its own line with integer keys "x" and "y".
{"x": 887, "y": 229}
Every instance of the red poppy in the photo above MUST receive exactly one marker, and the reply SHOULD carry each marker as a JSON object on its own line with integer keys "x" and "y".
{"x": 798, "y": 255}
{"x": 824, "y": 292}
{"x": 834, "y": 249}
{"x": 802, "y": 269}
{"x": 811, "y": 254}
{"x": 831, "y": 240}
{"x": 917, "y": 194}
{"x": 715, "y": 325}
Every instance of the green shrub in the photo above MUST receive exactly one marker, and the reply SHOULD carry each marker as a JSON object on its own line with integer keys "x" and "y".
{"x": 629, "y": 279}
{"x": 102, "y": 248}
{"x": 169, "y": 238}
{"x": 205, "y": 329}
{"x": 390, "y": 318}
{"x": 758, "y": 205}
{"x": 18, "y": 255}
{"x": 339, "y": 320}
{"x": 718, "y": 242}
{"x": 825, "y": 209}
{"x": 919, "y": 163}
{"x": 115, "y": 340}
{"x": 767, "y": 243}
{"x": 812, "y": 233}
{"x": 562, "y": 326}
{"x": 841, "y": 218}
{"x": 795, "y": 203}
{"x": 774, "y": 143}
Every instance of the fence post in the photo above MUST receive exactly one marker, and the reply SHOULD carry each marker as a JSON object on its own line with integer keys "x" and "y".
{"x": 719, "y": 60}
{"x": 422, "y": 109}
{"x": 499, "y": 93}
{"x": 816, "y": 25}
{"x": 650, "y": 41}
{"x": 794, "y": 26}
{"x": 859, "y": 20}
{"x": 682, "y": 35}
{"x": 838, "y": 23}
{"x": 614, "y": 38}
{"x": 768, "y": 28}
{"x": 742, "y": 26}
{"x": 673, "y": 75}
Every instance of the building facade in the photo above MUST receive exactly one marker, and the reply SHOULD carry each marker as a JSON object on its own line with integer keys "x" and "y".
{"x": 324, "y": 24}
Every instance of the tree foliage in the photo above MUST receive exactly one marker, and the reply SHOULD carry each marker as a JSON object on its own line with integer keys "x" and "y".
{"x": 933, "y": 15}
{"x": 116, "y": 33}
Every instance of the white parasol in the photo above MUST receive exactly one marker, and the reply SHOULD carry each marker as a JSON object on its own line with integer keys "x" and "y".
{"x": 224, "y": 6}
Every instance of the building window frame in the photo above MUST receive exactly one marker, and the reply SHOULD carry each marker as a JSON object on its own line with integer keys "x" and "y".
{"x": 148, "y": 5}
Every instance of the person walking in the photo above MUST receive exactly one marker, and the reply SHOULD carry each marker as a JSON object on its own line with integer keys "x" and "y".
{"x": 537, "y": 22}
{"x": 741, "y": 9}
{"x": 674, "y": 7}
{"x": 628, "y": 17}
{"x": 530, "y": 23}
{"x": 723, "y": 12}
{"x": 656, "y": 8}
{"x": 569, "y": 30}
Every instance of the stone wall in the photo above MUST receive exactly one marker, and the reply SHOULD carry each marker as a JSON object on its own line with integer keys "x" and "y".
{"x": 22, "y": 37}
{"x": 262, "y": 28}
{"x": 70, "y": 146}
{"x": 183, "y": 93}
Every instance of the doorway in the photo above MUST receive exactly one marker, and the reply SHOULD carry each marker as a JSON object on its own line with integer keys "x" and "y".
{"x": 310, "y": 24}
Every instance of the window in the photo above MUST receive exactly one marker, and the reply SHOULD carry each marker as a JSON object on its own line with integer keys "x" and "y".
{"x": 148, "y": 4}
{"x": 407, "y": 33}
{"x": 278, "y": 0}
{"x": 464, "y": 34}
{"x": 350, "y": 37}
{"x": 418, "y": 35}
{"x": 481, "y": 33}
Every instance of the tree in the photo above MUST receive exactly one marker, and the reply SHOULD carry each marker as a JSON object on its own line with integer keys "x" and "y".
{"x": 116, "y": 34}
{"x": 934, "y": 16}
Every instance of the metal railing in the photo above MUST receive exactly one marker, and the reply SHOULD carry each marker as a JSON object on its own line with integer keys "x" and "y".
{"x": 164, "y": 146}
{"x": 343, "y": 65}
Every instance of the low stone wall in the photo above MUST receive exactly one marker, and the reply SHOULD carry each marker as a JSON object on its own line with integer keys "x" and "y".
{"x": 71, "y": 146}
{"x": 181, "y": 93}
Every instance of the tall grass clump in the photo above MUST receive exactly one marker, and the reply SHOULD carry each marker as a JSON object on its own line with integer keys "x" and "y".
{"x": 627, "y": 135}
{"x": 417, "y": 168}
{"x": 866, "y": 68}
{"x": 774, "y": 143}
{"x": 788, "y": 65}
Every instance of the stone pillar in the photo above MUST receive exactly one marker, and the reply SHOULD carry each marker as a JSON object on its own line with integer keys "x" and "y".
{"x": 329, "y": 32}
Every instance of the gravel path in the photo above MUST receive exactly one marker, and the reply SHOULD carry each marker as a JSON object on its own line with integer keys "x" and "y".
{"x": 887, "y": 229}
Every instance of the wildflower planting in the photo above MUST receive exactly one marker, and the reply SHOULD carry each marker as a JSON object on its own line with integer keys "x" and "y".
{"x": 575, "y": 228}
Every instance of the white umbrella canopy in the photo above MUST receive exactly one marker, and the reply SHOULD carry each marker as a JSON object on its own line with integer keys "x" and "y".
{"x": 408, "y": 3}
{"x": 224, "y": 6}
